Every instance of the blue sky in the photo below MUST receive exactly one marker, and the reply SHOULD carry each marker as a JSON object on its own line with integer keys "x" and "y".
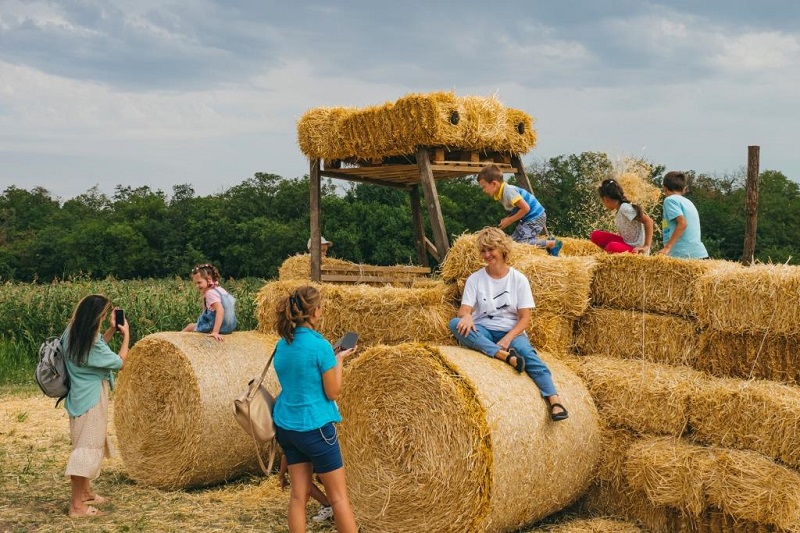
{"x": 168, "y": 92}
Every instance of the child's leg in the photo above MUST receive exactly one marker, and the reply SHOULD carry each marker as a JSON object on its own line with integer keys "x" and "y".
{"x": 534, "y": 366}
{"x": 481, "y": 340}
{"x": 190, "y": 327}
{"x": 528, "y": 232}
{"x": 603, "y": 238}
{"x": 618, "y": 248}
{"x": 318, "y": 495}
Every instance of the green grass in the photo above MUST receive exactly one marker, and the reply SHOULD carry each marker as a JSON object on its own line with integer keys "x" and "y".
{"x": 30, "y": 312}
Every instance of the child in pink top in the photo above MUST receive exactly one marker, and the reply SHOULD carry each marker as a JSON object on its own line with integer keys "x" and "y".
{"x": 634, "y": 225}
{"x": 219, "y": 314}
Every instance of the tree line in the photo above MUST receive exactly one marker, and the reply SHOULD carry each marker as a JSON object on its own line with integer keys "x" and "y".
{"x": 249, "y": 229}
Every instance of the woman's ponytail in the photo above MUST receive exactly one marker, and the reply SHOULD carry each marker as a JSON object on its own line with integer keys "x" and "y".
{"x": 295, "y": 309}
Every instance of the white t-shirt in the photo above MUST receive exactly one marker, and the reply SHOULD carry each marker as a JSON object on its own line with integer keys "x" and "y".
{"x": 630, "y": 229}
{"x": 495, "y": 302}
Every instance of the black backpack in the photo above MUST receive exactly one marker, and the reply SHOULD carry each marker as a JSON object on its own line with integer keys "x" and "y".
{"x": 51, "y": 372}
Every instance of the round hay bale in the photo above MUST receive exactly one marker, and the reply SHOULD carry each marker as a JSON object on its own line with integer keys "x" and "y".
{"x": 173, "y": 407}
{"x": 441, "y": 438}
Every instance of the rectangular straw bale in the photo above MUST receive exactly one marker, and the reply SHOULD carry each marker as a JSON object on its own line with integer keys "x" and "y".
{"x": 762, "y": 416}
{"x": 560, "y": 284}
{"x": 604, "y": 499}
{"x": 550, "y": 332}
{"x": 574, "y": 247}
{"x": 750, "y": 486}
{"x": 757, "y": 299}
{"x": 750, "y": 355}
{"x": 463, "y": 258}
{"x": 650, "y": 283}
{"x": 381, "y": 315}
{"x": 299, "y": 266}
{"x": 667, "y": 339}
{"x": 638, "y": 395}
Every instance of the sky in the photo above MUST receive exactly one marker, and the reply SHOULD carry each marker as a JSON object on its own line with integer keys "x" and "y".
{"x": 160, "y": 93}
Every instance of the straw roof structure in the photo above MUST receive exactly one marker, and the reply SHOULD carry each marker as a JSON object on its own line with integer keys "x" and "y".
{"x": 381, "y": 315}
{"x": 173, "y": 407}
{"x": 439, "y": 438}
{"x": 758, "y": 299}
{"x": 438, "y": 119}
{"x": 657, "y": 284}
{"x": 750, "y": 355}
{"x": 667, "y": 339}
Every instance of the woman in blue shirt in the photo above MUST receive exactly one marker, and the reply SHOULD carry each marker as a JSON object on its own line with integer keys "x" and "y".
{"x": 310, "y": 374}
{"x": 89, "y": 363}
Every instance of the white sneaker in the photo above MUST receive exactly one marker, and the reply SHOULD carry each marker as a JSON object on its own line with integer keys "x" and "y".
{"x": 325, "y": 512}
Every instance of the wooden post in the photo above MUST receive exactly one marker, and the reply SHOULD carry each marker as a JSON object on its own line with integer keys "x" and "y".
{"x": 315, "y": 218}
{"x": 419, "y": 226}
{"x": 751, "y": 206}
{"x": 432, "y": 202}
{"x": 519, "y": 172}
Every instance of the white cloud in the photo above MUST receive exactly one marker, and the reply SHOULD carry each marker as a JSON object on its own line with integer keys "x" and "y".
{"x": 757, "y": 52}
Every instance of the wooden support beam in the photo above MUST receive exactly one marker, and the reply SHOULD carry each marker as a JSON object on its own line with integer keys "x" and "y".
{"x": 519, "y": 172}
{"x": 432, "y": 202}
{"x": 315, "y": 218}
{"x": 419, "y": 226}
{"x": 432, "y": 250}
{"x": 751, "y": 206}
{"x": 362, "y": 179}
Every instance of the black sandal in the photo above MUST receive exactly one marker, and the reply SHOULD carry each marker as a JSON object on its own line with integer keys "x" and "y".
{"x": 520, "y": 364}
{"x": 561, "y": 415}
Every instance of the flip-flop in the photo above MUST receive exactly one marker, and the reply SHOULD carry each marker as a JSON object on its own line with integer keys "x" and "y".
{"x": 561, "y": 415}
{"x": 90, "y": 512}
{"x": 520, "y": 366}
{"x": 96, "y": 500}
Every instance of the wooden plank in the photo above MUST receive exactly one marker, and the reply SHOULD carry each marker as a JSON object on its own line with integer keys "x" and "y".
{"x": 419, "y": 226}
{"x": 315, "y": 218}
{"x": 432, "y": 250}
{"x": 350, "y": 278}
{"x": 361, "y": 179}
{"x": 438, "y": 154}
{"x": 519, "y": 172}
{"x": 408, "y": 270}
{"x": 432, "y": 202}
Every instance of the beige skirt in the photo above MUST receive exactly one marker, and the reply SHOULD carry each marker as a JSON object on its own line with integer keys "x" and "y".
{"x": 89, "y": 436}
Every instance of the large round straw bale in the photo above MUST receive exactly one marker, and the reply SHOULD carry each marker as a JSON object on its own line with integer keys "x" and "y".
{"x": 757, "y": 299}
{"x": 379, "y": 314}
{"x": 173, "y": 407}
{"x": 750, "y": 355}
{"x": 446, "y": 439}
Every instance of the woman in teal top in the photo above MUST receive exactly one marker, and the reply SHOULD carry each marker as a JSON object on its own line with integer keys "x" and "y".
{"x": 89, "y": 363}
{"x": 310, "y": 374}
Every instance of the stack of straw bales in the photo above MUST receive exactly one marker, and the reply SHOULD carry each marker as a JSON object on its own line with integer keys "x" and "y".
{"x": 440, "y": 438}
{"x": 173, "y": 407}
{"x": 751, "y": 321}
{"x": 398, "y": 128}
{"x": 299, "y": 266}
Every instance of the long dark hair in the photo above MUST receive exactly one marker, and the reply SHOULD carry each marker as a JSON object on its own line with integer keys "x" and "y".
{"x": 295, "y": 309}
{"x": 85, "y": 326}
{"x": 612, "y": 189}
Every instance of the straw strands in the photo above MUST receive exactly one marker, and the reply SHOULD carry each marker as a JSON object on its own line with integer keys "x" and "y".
{"x": 463, "y": 258}
{"x": 447, "y": 439}
{"x": 750, "y": 355}
{"x": 173, "y": 407}
{"x": 379, "y": 314}
{"x": 575, "y": 247}
{"x": 651, "y": 283}
{"x": 398, "y": 128}
{"x": 550, "y": 332}
{"x": 624, "y": 333}
{"x": 758, "y": 299}
{"x": 299, "y": 266}
{"x": 591, "y": 525}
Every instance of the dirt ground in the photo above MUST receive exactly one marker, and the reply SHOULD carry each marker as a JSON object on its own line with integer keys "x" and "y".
{"x": 34, "y": 493}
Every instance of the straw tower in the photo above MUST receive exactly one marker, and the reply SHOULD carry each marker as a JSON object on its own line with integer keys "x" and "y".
{"x": 173, "y": 407}
{"x": 446, "y": 439}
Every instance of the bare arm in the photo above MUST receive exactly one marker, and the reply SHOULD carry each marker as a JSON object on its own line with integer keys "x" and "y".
{"x": 332, "y": 379}
{"x": 523, "y": 209}
{"x": 523, "y": 320}
{"x": 466, "y": 324}
{"x": 219, "y": 316}
{"x": 680, "y": 227}
{"x": 648, "y": 232}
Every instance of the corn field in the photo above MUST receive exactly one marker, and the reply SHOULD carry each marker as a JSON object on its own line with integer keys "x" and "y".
{"x": 30, "y": 312}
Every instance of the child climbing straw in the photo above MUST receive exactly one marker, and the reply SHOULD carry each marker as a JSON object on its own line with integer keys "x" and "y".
{"x": 219, "y": 313}
{"x": 634, "y": 226}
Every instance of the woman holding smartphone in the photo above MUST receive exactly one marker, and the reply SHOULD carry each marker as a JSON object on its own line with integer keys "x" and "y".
{"x": 310, "y": 374}
{"x": 89, "y": 363}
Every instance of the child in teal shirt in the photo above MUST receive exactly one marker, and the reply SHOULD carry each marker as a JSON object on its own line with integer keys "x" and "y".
{"x": 680, "y": 221}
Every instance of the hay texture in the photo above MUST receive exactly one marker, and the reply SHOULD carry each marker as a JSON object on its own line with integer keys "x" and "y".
{"x": 398, "y": 128}
{"x": 387, "y": 315}
{"x": 440, "y": 438}
{"x": 299, "y": 266}
{"x": 656, "y": 284}
{"x": 750, "y": 355}
{"x": 463, "y": 257}
{"x": 551, "y": 333}
{"x": 638, "y": 395}
{"x": 758, "y": 299}
{"x": 591, "y": 525}
{"x": 761, "y": 416}
{"x": 577, "y": 247}
{"x": 623, "y": 333}
{"x": 173, "y": 407}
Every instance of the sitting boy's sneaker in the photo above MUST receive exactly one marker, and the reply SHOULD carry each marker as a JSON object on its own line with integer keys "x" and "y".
{"x": 325, "y": 512}
{"x": 555, "y": 249}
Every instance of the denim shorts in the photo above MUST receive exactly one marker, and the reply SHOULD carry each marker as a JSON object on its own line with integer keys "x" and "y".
{"x": 320, "y": 447}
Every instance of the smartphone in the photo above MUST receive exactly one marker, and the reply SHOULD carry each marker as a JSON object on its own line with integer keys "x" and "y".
{"x": 119, "y": 317}
{"x": 347, "y": 341}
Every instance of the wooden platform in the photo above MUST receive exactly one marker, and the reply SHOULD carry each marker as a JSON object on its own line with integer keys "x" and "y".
{"x": 372, "y": 274}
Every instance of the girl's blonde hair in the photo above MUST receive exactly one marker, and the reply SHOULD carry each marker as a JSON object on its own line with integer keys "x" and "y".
{"x": 494, "y": 238}
{"x": 295, "y": 309}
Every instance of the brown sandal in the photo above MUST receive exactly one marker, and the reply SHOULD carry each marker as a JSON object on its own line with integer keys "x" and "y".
{"x": 90, "y": 512}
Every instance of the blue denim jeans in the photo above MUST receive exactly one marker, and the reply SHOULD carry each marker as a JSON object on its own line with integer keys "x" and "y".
{"x": 485, "y": 341}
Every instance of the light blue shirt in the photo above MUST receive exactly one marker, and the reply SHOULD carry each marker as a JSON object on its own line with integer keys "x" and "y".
{"x": 302, "y": 404}
{"x": 85, "y": 382}
{"x": 689, "y": 244}
{"x": 509, "y": 195}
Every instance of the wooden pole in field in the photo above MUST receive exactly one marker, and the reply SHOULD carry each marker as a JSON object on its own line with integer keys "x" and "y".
{"x": 751, "y": 206}
{"x": 315, "y": 218}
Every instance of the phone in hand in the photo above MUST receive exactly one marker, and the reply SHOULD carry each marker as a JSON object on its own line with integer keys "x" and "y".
{"x": 347, "y": 341}
{"x": 119, "y": 317}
